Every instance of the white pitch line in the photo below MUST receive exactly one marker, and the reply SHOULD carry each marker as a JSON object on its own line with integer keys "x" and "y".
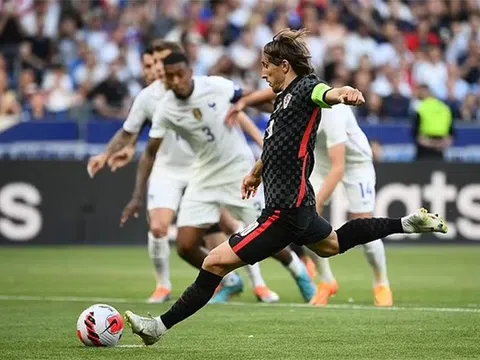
{"x": 283, "y": 305}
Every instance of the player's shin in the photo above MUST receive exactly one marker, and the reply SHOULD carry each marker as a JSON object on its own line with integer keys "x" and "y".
{"x": 361, "y": 231}
{"x": 375, "y": 254}
{"x": 159, "y": 251}
{"x": 193, "y": 298}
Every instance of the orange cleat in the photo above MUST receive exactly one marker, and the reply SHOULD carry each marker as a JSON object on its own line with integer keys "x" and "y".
{"x": 264, "y": 294}
{"x": 383, "y": 296}
{"x": 311, "y": 268}
{"x": 324, "y": 291}
{"x": 160, "y": 295}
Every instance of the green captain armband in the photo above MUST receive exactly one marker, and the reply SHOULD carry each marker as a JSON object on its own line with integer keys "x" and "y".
{"x": 318, "y": 95}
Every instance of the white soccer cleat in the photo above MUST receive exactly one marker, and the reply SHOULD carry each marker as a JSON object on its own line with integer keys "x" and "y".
{"x": 421, "y": 221}
{"x": 150, "y": 329}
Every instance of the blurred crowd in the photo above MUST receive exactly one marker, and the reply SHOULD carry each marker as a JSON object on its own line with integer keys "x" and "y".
{"x": 72, "y": 58}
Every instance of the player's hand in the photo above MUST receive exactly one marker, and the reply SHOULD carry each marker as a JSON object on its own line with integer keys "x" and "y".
{"x": 132, "y": 209}
{"x": 231, "y": 118}
{"x": 351, "y": 96}
{"x": 95, "y": 164}
{"x": 250, "y": 186}
{"x": 121, "y": 158}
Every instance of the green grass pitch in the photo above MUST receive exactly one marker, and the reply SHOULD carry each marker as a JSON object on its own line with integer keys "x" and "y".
{"x": 436, "y": 289}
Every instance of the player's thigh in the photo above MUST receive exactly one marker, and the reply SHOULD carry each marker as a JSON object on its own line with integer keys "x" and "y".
{"x": 245, "y": 210}
{"x": 164, "y": 191}
{"x": 189, "y": 238}
{"x": 262, "y": 238}
{"x": 359, "y": 184}
{"x": 198, "y": 213}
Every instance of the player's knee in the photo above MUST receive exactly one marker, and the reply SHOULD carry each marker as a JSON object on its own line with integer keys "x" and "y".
{"x": 212, "y": 263}
{"x": 328, "y": 247}
{"x": 158, "y": 229}
{"x": 185, "y": 247}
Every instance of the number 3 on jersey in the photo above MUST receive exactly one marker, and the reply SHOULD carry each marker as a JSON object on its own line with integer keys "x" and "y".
{"x": 210, "y": 137}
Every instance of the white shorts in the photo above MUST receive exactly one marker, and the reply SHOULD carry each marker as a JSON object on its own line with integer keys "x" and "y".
{"x": 201, "y": 205}
{"x": 165, "y": 188}
{"x": 359, "y": 185}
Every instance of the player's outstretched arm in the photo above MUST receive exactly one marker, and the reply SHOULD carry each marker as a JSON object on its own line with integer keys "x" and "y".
{"x": 249, "y": 127}
{"x": 252, "y": 181}
{"x": 326, "y": 96}
{"x": 260, "y": 99}
{"x": 143, "y": 173}
{"x": 121, "y": 139}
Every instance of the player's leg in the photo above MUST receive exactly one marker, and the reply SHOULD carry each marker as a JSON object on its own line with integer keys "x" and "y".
{"x": 254, "y": 244}
{"x": 328, "y": 285}
{"x": 289, "y": 259}
{"x": 231, "y": 283}
{"x": 359, "y": 184}
{"x": 230, "y": 225}
{"x": 362, "y": 231}
{"x": 164, "y": 194}
{"x": 195, "y": 217}
{"x": 307, "y": 259}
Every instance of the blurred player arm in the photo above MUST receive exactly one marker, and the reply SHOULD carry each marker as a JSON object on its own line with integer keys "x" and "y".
{"x": 121, "y": 147}
{"x": 261, "y": 100}
{"x": 144, "y": 170}
{"x": 249, "y": 127}
{"x": 334, "y": 126}
{"x": 252, "y": 181}
{"x": 325, "y": 96}
{"x": 336, "y": 155}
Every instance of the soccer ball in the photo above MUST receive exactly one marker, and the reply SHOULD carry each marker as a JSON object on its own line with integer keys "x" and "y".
{"x": 100, "y": 325}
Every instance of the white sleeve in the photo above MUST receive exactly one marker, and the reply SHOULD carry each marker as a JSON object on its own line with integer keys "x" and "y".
{"x": 137, "y": 115}
{"x": 159, "y": 123}
{"x": 334, "y": 124}
{"x": 225, "y": 87}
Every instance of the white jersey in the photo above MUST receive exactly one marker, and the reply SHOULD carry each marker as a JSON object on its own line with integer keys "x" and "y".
{"x": 339, "y": 125}
{"x": 176, "y": 153}
{"x": 222, "y": 154}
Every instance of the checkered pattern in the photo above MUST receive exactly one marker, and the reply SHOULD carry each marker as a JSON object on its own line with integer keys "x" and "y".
{"x": 283, "y": 167}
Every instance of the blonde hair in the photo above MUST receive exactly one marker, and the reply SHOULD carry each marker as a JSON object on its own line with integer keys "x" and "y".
{"x": 289, "y": 45}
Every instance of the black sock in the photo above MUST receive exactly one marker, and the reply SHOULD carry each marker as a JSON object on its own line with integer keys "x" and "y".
{"x": 193, "y": 298}
{"x": 361, "y": 231}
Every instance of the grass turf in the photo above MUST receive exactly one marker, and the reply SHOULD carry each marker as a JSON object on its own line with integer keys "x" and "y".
{"x": 43, "y": 290}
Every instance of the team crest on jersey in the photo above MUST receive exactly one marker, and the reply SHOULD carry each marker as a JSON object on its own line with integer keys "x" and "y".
{"x": 197, "y": 114}
{"x": 286, "y": 100}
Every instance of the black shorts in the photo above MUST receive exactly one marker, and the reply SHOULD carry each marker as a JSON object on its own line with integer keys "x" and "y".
{"x": 275, "y": 229}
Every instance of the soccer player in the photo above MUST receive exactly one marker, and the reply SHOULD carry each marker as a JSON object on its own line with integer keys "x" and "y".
{"x": 343, "y": 155}
{"x": 285, "y": 167}
{"x": 195, "y": 109}
{"x": 174, "y": 166}
{"x": 171, "y": 171}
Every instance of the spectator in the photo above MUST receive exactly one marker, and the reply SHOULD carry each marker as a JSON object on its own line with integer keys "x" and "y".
{"x": 470, "y": 109}
{"x": 8, "y": 102}
{"x": 89, "y": 74}
{"x": 422, "y": 37}
{"x": 470, "y": 63}
{"x": 36, "y": 109}
{"x": 396, "y": 105}
{"x": 432, "y": 71}
{"x": 110, "y": 97}
{"x": 432, "y": 126}
{"x": 58, "y": 87}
